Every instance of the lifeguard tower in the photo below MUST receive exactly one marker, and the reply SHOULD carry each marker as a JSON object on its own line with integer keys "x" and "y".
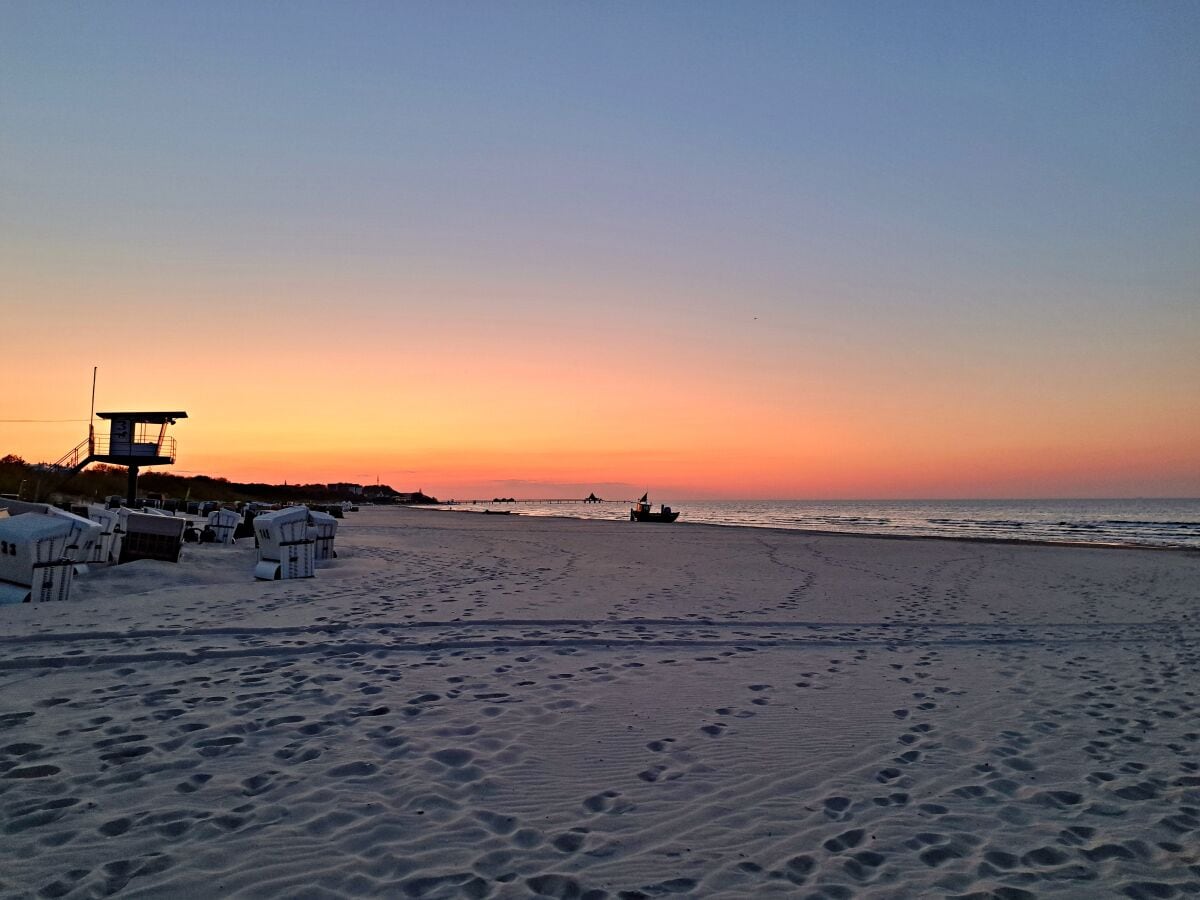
{"x": 134, "y": 440}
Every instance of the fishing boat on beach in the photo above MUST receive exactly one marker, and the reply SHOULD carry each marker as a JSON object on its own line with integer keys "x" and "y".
{"x": 642, "y": 512}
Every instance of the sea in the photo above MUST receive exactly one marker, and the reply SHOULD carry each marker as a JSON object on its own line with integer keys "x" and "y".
{"x": 1155, "y": 523}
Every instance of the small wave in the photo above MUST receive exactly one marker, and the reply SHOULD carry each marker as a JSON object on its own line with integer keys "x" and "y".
{"x": 973, "y": 523}
{"x": 843, "y": 520}
{"x": 1134, "y": 523}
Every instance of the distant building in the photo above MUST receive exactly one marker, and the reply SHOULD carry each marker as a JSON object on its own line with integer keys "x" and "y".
{"x": 382, "y": 493}
{"x": 346, "y": 487}
{"x": 415, "y": 497}
{"x": 378, "y": 492}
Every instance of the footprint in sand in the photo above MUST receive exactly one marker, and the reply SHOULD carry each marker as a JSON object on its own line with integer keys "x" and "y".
{"x": 861, "y": 865}
{"x": 217, "y": 746}
{"x": 43, "y": 771}
{"x": 847, "y": 840}
{"x": 561, "y": 886}
{"x": 453, "y": 757}
{"x": 571, "y": 841}
{"x": 602, "y": 802}
{"x": 798, "y": 868}
{"x": 836, "y": 805}
{"x": 22, "y": 749}
{"x": 352, "y": 770}
{"x": 496, "y": 823}
{"x": 193, "y": 784}
{"x": 527, "y": 838}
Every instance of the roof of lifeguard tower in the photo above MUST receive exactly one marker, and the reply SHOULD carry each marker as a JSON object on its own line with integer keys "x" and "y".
{"x": 155, "y": 418}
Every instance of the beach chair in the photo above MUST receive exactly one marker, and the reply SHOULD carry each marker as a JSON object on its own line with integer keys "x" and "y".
{"x": 81, "y": 544}
{"x": 108, "y": 544}
{"x": 224, "y": 523}
{"x": 34, "y": 564}
{"x": 85, "y": 535}
{"x": 246, "y": 528}
{"x": 285, "y": 544}
{"x": 18, "y": 507}
{"x": 149, "y": 536}
{"x": 325, "y": 528}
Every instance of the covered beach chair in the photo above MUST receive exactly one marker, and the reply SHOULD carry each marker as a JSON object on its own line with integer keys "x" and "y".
{"x": 325, "y": 527}
{"x": 84, "y": 532}
{"x": 108, "y": 545}
{"x": 223, "y": 523}
{"x": 285, "y": 544}
{"x": 148, "y": 536}
{"x": 246, "y": 528}
{"x": 17, "y": 507}
{"x": 85, "y": 535}
{"x": 34, "y": 564}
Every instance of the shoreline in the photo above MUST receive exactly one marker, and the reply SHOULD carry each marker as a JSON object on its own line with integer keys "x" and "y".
{"x": 1032, "y": 542}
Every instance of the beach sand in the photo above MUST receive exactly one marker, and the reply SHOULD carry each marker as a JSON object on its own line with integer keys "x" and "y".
{"x": 505, "y": 706}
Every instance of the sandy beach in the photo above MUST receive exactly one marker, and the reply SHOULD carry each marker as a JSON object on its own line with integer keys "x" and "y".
{"x": 503, "y": 706}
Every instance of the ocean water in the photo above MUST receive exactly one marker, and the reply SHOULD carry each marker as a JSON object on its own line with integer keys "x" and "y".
{"x": 1160, "y": 523}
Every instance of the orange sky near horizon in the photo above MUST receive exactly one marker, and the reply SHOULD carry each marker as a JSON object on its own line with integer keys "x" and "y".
{"x": 698, "y": 406}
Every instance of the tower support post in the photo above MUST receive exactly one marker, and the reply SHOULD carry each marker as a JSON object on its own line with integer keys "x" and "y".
{"x": 132, "y": 488}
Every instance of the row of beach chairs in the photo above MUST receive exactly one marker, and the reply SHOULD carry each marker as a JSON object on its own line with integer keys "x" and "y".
{"x": 42, "y": 547}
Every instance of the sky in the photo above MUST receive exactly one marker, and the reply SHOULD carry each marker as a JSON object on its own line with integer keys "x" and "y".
{"x": 740, "y": 250}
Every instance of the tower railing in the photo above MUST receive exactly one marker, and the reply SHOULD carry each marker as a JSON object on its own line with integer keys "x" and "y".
{"x": 75, "y": 455}
{"x": 102, "y": 445}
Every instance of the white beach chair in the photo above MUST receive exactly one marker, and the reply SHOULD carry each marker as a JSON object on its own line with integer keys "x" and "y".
{"x": 34, "y": 564}
{"x": 17, "y": 507}
{"x": 108, "y": 545}
{"x": 325, "y": 527}
{"x": 85, "y": 535}
{"x": 224, "y": 523}
{"x": 285, "y": 544}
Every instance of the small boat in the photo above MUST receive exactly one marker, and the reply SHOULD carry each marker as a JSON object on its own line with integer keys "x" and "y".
{"x": 497, "y": 512}
{"x": 642, "y": 512}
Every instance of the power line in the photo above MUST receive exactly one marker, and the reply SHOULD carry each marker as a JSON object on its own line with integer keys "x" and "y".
{"x": 38, "y": 421}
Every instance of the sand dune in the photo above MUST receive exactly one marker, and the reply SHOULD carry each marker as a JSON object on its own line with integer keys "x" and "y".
{"x": 468, "y": 706}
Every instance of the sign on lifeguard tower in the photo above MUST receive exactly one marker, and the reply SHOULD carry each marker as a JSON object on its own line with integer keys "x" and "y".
{"x": 120, "y": 433}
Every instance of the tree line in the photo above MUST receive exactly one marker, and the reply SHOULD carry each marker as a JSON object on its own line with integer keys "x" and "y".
{"x": 41, "y": 483}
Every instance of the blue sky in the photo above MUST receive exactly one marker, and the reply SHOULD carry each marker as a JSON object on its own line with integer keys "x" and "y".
{"x": 940, "y": 129}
